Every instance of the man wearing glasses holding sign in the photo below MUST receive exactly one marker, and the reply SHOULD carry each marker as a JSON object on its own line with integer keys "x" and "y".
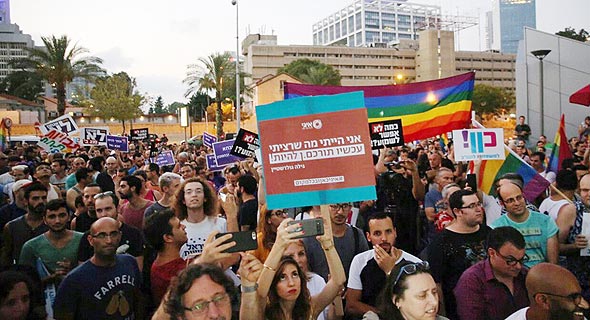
{"x": 105, "y": 287}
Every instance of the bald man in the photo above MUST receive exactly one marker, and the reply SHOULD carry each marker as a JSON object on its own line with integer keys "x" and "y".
{"x": 105, "y": 287}
{"x": 552, "y": 297}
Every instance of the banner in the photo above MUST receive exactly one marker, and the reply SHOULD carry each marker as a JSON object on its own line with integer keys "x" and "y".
{"x": 245, "y": 144}
{"x": 94, "y": 136}
{"x": 165, "y": 158}
{"x": 118, "y": 143}
{"x": 57, "y": 142}
{"x": 209, "y": 139}
{"x": 139, "y": 134}
{"x": 386, "y": 134}
{"x": 479, "y": 144}
{"x": 316, "y": 150}
{"x": 426, "y": 108}
{"x": 212, "y": 164}
{"x": 63, "y": 124}
{"x": 222, "y": 150}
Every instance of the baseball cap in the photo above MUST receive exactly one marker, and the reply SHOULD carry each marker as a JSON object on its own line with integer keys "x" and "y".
{"x": 20, "y": 184}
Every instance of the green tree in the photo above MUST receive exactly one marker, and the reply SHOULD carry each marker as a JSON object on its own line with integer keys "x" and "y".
{"x": 59, "y": 63}
{"x": 197, "y": 105}
{"x": 174, "y": 106}
{"x": 208, "y": 75}
{"x": 571, "y": 33}
{"x": 115, "y": 97}
{"x": 159, "y": 106}
{"x": 312, "y": 72}
{"x": 489, "y": 99}
{"x": 22, "y": 84}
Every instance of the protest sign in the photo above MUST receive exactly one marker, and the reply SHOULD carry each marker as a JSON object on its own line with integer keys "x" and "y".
{"x": 55, "y": 141}
{"x": 386, "y": 134}
{"x": 164, "y": 158}
{"x": 316, "y": 150}
{"x": 139, "y": 134}
{"x": 63, "y": 124}
{"x": 94, "y": 136}
{"x": 479, "y": 144}
{"x": 245, "y": 144}
{"x": 221, "y": 150}
{"x": 209, "y": 139}
{"x": 212, "y": 164}
{"x": 118, "y": 143}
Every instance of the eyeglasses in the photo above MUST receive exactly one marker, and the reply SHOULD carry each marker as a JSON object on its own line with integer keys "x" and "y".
{"x": 513, "y": 200}
{"x": 343, "y": 206}
{"x": 512, "y": 261}
{"x": 278, "y": 213}
{"x": 576, "y": 298}
{"x": 411, "y": 269}
{"x": 473, "y": 205}
{"x": 104, "y": 235}
{"x": 201, "y": 307}
{"x": 102, "y": 195}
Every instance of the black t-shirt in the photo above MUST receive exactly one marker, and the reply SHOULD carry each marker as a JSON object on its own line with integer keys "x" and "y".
{"x": 84, "y": 221}
{"x": 247, "y": 214}
{"x": 523, "y": 130}
{"x": 450, "y": 254}
{"x": 131, "y": 243}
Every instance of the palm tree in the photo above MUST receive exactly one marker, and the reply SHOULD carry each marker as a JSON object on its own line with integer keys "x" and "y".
{"x": 208, "y": 76}
{"x": 59, "y": 63}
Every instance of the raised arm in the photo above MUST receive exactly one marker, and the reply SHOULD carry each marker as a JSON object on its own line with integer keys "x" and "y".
{"x": 252, "y": 306}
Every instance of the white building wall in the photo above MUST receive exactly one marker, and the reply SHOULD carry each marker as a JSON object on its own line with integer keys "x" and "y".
{"x": 566, "y": 69}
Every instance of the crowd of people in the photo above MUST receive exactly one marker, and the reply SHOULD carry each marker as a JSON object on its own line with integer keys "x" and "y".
{"x": 104, "y": 234}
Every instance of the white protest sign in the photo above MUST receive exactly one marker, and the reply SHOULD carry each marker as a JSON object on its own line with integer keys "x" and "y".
{"x": 94, "y": 136}
{"x": 479, "y": 144}
{"x": 586, "y": 232}
{"x": 63, "y": 124}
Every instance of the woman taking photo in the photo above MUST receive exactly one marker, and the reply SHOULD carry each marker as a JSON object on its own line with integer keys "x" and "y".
{"x": 410, "y": 294}
{"x": 267, "y": 231}
{"x": 282, "y": 286}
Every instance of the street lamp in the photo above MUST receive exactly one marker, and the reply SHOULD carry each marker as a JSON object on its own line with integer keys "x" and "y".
{"x": 235, "y": 3}
{"x": 541, "y": 54}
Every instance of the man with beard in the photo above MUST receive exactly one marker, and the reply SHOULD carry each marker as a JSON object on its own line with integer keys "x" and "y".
{"x": 57, "y": 248}
{"x": 43, "y": 175}
{"x": 246, "y": 189}
{"x": 369, "y": 270}
{"x": 133, "y": 211}
{"x": 58, "y": 178}
{"x": 105, "y": 205}
{"x": 85, "y": 219}
{"x": 348, "y": 240}
{"x": 22, "y": 229}
{"x": 554, "y": 294}
{"x": 458, "y": 247}
{"x": 107, "y": 286}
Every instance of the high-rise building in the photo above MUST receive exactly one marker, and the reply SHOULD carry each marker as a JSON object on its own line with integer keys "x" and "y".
{"x": 5, "y": 11}
{"x": 510, "y": 18}
{"x": 376, "y": 23}
{"x": 12, "y": 44}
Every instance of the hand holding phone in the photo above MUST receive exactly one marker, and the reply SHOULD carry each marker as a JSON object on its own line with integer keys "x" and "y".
{"x": 245, "y": 241}
{"x": 309, "y": 227}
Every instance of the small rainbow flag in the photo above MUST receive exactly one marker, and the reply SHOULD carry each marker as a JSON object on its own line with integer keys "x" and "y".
{"x": 559, "y": 152}
{"x": 3, "y": 135}
{"x": 490, "y": 170}
{"x": 426, "y": 108}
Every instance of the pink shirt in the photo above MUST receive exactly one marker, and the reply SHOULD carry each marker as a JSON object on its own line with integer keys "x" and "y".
{"x": 134, "y": 217}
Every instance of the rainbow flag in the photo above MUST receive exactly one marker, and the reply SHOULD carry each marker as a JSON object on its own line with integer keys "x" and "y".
{"x": 426, "y": 108}
{"x": 3, "y": 135}
{"x": 490, "y": 170}
{"x": 443, "y": 141}
{"x": 559, "y": 152}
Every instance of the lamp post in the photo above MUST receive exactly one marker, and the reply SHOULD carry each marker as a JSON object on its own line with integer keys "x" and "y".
{"x": 235, "y": 3}
{"x": 541, "y": 54}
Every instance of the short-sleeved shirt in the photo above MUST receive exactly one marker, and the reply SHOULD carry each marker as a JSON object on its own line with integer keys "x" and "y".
{"x": 132, "y": 216}
{"x": 91, "y": 292}
{"x": 156, "y": 207}
{"x": 21, "y": 232}
{"x": 345, "y": 246}
{"x": 41, "y": 247}
{"x": 537, "y": 229}
{"x": 161, "y": 275}
{"x": 431, "y": 198}
{"x": 365, "y": 275}
{"x": 131, "y": 243}
{"x": 247, "y": 216}
{"x": 198, "y": 232}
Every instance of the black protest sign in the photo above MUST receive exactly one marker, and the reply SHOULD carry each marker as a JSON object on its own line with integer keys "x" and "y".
{"x": 245, "y": 144}
{"x": 139, "y": 134}
{"x": 386, "y": 134}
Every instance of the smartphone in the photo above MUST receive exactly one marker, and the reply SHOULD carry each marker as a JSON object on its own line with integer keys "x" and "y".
{"x": 472, "y": 181}
{"x": 312, "y": 227}
{"x": 245, "y": 241}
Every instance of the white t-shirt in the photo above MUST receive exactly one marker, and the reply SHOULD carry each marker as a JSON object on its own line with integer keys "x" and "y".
{"x": 197, "y": 233}
{"x": 518, "y": 315}
{"x": 492, "y": 208}
{"x": 552, "y": 207}
{"x": 360, "y": 261}
{"x": 315, "y": 285}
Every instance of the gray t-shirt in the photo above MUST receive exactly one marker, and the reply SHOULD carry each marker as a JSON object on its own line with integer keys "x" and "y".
{"x": 345, "y": 246}
{"x": 153, "y": 209}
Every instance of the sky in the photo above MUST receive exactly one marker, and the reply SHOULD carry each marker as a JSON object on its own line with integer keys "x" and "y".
{"x": 155, "y": 41}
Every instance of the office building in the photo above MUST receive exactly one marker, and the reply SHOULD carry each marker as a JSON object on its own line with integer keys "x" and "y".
{"x": 509, "y": 19}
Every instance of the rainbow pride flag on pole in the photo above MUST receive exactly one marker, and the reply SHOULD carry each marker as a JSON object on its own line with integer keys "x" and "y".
{"x": 490, "y": 170}
{"x": 3, "y": 136}
{"x": 559, "y": 151}
{"x": 426, "y": 108}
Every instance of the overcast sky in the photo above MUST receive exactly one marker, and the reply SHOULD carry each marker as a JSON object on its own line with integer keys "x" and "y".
{"x": 154, "y": 41}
